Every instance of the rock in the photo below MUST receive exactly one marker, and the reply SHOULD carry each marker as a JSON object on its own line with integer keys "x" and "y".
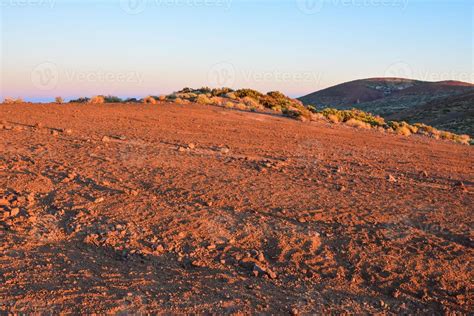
{"x": 98, "y": 200}
{"x": 54, "y": 133}
{"x": 224, "y": 150}
{"x": 294, "y": 312}
{"x": 391, "y": 178}
{"x": 14, "y": 212}
{"x": 39, "y": 125}
{"x": 4, "y": 202}
{"x": 106, "y": 139}
{"x": 191, "y": 146}
{"x": 181, "y": 149}
{"x": 301, "y": 220}
{"x": 424, "y": 174}
{"x": 211, "y": 247}
{"x": 68, "y": 131}
{"x": 261, "y": 257}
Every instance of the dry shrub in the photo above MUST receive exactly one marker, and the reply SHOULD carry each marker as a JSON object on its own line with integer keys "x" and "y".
{"x": 59, "y": 100}
{"x": 333, "y": 118}
{"x": 218, "y": 101}
{"x": 13, "y": 101}
{"x": 240, "y": 106}
{"x": 98, "y": 99}
{"x": 203, "y": 99}
{"x": 229, "y": 105}
{"x": 149, "y": 100}
{"x": 358, "y": 124}
{"x": 403, "y": 130}
{"x": 251, "y": 103}
{"x": 180, "y": 101}
{"x": 317, "y": 117}
{"x": 231, "y": 95}
{"x": 162, "y": 98}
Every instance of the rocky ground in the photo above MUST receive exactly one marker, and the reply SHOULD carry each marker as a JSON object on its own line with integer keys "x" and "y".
{"x": 195, "y": 209}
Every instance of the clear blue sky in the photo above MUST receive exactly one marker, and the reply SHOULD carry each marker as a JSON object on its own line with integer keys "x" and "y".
{"x": 139, "y": 47}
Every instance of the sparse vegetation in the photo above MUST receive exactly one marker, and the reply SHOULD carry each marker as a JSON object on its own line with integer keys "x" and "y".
{"x": 13, "y": 101}
{"x": 149, "y": 100}
{"x": 98, "y": 99}
{"x": 59, "y": 100}
{"x": 80, "y": 100}
{"x": 112, "y": 99}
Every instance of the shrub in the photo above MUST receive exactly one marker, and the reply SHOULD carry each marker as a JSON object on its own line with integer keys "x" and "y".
{"x": 203, "y": 99}
{"x": 98, "y": 99}
{"x": 358, "y": 124}
{"x": 59, "y": 100}
{"x": 333, "y": 118}
{"x": 180, "y": 101}
{"x": 149, "y": 100}
{"x": 80, "y": 100}
{"x": 13, "y": 101}
{"x": 251, "y": 103}
{"x": 162, "y": 98}
{"x": 112, "y": 99}
{"x": 240, "y": 106}
{"x": 218, "y": 101}
{"x": 231, "y": 95}
{"x": 229, "y": 105}
{"x": 131, "y": 100}
{"x": 242, "y": 93}
{"x": 221, "y": 92}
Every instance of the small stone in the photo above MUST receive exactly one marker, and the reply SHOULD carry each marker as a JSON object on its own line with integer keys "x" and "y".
{"x": 106, "y": 139}
{"x": 191, "y": 146}
{"x": 301, "y": 220}
{"x": 224, "y": 150}
{"x": 294, "y": 312}
{"x": 39, "y": 125}
{"x": 68, "y": 131}
{"x": 211, "y": 247}
{"x": 424, "y": 174}
{"x": 54, "y": 133}
{"x": 4, "y": 202}
{"x": 14, "y": 212}
{"x": 98, "y": 200}
{"x": 391, "y": 178}
{"x": 261, "y": 257}
{"x": 181, "y": 149}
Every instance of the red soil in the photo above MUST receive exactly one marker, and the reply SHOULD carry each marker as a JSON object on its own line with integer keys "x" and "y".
{"x": 183, "y": 209}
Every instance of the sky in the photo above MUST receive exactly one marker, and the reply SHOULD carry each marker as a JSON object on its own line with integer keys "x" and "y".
{"x": 134, "y": 48}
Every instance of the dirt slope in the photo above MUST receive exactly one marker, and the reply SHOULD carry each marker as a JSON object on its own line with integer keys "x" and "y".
{"x": 168, "y": 208}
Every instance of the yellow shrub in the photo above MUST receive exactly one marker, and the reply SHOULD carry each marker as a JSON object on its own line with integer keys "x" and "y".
{"x": 203, "y": 99}
{"x": 59, "y": 100}
{"x": 98, "y": 99}
{"x": 149, "y": 100}
{"x": 333, "y": 118}
{"x": 358, "y": 124}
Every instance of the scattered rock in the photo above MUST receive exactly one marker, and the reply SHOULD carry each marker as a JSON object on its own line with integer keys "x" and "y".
{"x": 14, "y": 212}
{"x": 106, "y": 139}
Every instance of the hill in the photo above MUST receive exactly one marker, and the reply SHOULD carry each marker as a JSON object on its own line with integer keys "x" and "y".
{"x": 393, "y": 97}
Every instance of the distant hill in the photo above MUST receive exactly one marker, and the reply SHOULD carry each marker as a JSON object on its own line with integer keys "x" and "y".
{"x": 453, "y": 113}
{"x": 404, "y": 99}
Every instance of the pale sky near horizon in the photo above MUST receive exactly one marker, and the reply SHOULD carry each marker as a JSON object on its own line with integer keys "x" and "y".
{"x": 139, "y": 47}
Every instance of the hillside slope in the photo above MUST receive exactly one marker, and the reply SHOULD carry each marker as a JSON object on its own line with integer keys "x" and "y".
{"x": 166, "y": 208}
{"x": 393, "y": 97}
